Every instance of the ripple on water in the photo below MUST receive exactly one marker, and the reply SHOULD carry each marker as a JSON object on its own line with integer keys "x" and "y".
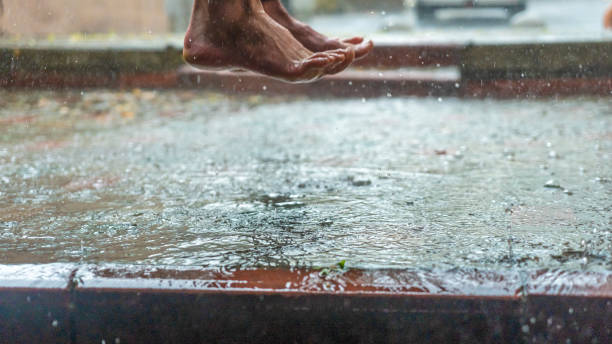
{"x": 391, "y": 183}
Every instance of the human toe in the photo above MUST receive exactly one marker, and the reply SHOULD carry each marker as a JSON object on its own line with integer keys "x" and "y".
{"x": 353, "y": 40}
{"x": 348, "y": 56}
{"x": 363, "y": 49}
{"x": 316, "y": 61}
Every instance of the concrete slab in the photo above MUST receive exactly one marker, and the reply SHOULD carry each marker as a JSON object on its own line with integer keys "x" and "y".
{"x": 352, "y": 83}
{"x": 537, "y": 61}
{"x": 193, "y": 216}
{"x": 494, "y": 70}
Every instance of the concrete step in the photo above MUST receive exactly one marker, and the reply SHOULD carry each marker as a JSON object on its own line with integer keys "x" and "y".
{"x": 352, "y": 83}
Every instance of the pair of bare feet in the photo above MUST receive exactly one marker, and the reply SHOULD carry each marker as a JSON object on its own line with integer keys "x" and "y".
{"x": 261, "y": 36}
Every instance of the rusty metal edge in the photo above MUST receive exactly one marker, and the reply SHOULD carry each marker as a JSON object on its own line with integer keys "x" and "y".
{"x": 96, "y": 304}
{"x": 155, "y": 316}
{"x": 150, "y": 316}
{"x": 329, "y": 281}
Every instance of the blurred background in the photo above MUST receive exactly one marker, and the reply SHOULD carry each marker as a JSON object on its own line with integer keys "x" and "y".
{"x": 388, "y": 19}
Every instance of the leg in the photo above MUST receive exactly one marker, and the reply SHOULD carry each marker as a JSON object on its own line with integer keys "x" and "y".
{"x": 310, "y": 38}
{"x": 239, "y": 34}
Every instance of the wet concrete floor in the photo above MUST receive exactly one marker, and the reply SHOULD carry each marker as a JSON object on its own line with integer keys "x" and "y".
{"x": 188, "y": 178}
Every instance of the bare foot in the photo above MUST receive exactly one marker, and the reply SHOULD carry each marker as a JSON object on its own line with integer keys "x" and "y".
{"x": 226, "y": 34}
{"x": 310, "y": 38}
{"x": 608, "y": 18}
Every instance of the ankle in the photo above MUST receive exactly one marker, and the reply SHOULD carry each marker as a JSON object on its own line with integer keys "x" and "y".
{"x": 276, "y": 10}
{"x": 213, "y": 20}
{"x": 222, "y": 12}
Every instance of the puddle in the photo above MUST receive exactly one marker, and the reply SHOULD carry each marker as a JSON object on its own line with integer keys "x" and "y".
{"x": 193, "y": 179}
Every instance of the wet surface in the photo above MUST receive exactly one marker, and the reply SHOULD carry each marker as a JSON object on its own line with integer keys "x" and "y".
{"x": 193, "y": 179}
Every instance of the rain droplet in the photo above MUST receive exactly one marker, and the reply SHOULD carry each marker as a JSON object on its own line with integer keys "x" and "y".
{"x": 552, "y": 184}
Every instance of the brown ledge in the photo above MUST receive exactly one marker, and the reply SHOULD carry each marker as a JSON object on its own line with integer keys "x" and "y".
{"x": 134, "y": 304}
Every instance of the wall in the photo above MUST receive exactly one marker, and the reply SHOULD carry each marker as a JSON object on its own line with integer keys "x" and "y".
{"x": 40, "y": 18}
{"x": 30, "y": 18}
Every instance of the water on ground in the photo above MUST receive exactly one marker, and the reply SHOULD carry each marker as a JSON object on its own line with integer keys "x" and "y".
{"x": 186, "y": 178}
